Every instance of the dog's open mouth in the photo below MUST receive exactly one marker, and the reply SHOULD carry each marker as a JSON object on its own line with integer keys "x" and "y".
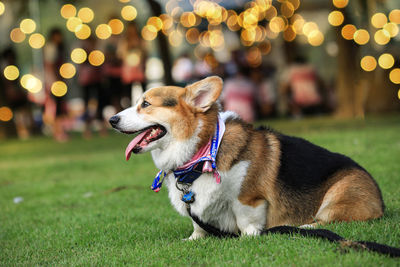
{"x": 144, "y": 138}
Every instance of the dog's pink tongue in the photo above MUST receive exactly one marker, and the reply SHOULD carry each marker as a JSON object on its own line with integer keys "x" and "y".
{"x": 133, "y": 143}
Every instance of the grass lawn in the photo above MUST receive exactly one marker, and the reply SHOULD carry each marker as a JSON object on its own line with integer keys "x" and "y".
{"x": 83, "y": 204}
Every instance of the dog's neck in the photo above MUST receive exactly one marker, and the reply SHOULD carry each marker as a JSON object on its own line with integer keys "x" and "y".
{"x": 177, "y": 152}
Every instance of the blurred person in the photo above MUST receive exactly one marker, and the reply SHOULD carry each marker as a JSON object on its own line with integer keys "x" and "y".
{"x": 112, "y": 69}
{"x": 183, "y": 70}
{"x": 300, "y": 88}
{"x": 238, "y": 95}
{"x": 131, "y": 50}
{"x": 90, "y": 80}
{"x": 55, "y": 108}
{"x": 15, "y": 97}
{"x": 266, "y": 95}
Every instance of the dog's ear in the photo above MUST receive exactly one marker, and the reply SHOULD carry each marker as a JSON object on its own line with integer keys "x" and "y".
{"x": 202, "y": 94}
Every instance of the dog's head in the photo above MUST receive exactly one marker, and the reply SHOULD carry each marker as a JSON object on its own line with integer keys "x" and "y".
{"x": 171, "y": 120}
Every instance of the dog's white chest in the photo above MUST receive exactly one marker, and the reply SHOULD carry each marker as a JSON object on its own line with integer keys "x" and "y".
{"x": 214, "y": 203}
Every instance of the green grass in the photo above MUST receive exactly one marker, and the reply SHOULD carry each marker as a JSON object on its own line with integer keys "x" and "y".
{"x": 72, "y": 213}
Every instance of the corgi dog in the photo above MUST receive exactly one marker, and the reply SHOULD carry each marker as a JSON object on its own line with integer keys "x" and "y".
{"x": 236, "y": 178}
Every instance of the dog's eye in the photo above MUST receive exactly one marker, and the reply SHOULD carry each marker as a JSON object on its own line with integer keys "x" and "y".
{"x": 145, "y": 104}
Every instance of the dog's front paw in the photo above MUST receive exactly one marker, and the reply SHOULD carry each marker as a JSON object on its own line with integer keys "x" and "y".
{"x": 196, "y": 235}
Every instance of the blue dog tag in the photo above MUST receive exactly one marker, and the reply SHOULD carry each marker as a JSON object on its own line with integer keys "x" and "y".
{"x": 188, "y": 197}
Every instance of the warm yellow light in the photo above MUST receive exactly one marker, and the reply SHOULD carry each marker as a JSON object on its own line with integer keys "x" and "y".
{"x": 287, "y": 9}
{"x": 67, "y": 70}
{"x": 348, "y": 31}
{"x": 67, "y": 11}
{"x": 335, "y": 18}
{"x": 124, "y": 1}
{"x": 188, "y": 19}
{"x": 265, "y": 47}
{"x": 149, "y": 32}
{"x": 11, "y": 72}
{"x": 36, "y": 41}
{"x": 382, "y": 37}
{"x": 192, "y": 35}
{"x": 31, "y": 83}
{"x": 78, "y": 55}
{"x": 17, "y": 36}
{"x": 368, "y": 63}
{"x": 254, "y": 57}
{"x": 2, "y": 8}
{"x": 378, "y": 20}
{"x": 157, "y": 22}
{"x": 270, "y": 13}
{"x": 394, "y": 76}
{"x": 298, "y": 25}
{"x": 175, "y": 38}
{"x": 295, "y": 3}
{"x": 394, "y": 16}
{"x": 96, "y": 58}
{"x": 315, "y": 38}
{"x": 398, "y": 94}
{"x": 103, "y": 31}
{"x": 73, "y": 23}
{"x": 83, "y": 31}
{"x": 59, "y": 88}
{"x": 391, "y": 28}
{"x": 128, "y": 13}
{"x": 27, "y": 26}
{"x": 361, "y": 37}
{"x": 309, "y": 27}
{"x": 116, "y": 26}
{"x": 86, "y": 14}
{"x": 340, "y": 3}
{"x": 289, "y": 34}
{"x": 386, "y": 61}
{"x": 277, "y": 24}
{"x": 6, "y": 114}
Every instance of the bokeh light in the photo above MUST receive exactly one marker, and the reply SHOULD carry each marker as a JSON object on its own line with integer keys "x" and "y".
{"x": 27, "y": 26}
{"x": 36, "y": 41}
{"x": 67, "y": 11}
{"x": 2, "y": 8}
{"x": 398, "y": 94}
{"x": 386, "y": 61}
{"x": 361, "y": 37}
{"x": 335, "y": 18}
{"x": 391, "y": 28}
{"x": 83, "y": 31}
{"x": 348, "y": 31}
{"x": 31, "y": 83}
{"x": 11, "y": 72}
{"x": 340, "y": 3}
{"x": 368, "y": 63}
{"x": 17, "y": 36}
{"x": 394, "y": 16}
{"x": 128, "y": 13}
{"x": 116, "y": 26}
{"x": 382, "y": 37}
{"x": 277, "y": 24}
{"x": 149, "y": 32}
{"x": 78, "y": 55}
{"x": 96, "y": 58}
{"x": 315, "y": 38}
{"x": 59, "y": 88}
{"x": 85, "y": 14}
{"x": 6, "y": 114}
{"x": 394, "y": 76}
{"x": 73, "y": 23}
{"x": 192, "y": 35}
{"x": 67, "y": 70}
{"x": 103, "y": 31}
{"x": 378, "y": 20}
{"x": 175, "y": 38}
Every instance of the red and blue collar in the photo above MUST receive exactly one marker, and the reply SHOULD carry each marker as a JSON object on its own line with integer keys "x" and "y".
{"x": 203, "y": 161}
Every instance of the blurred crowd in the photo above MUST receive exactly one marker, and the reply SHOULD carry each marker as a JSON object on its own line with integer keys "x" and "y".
{"x": 254, "y": 92}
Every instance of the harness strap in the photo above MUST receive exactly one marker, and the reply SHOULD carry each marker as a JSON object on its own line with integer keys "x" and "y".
{"x": 318, "y": 233}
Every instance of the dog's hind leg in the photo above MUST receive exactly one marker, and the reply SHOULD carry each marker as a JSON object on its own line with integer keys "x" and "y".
{"x": 354, "y": 197}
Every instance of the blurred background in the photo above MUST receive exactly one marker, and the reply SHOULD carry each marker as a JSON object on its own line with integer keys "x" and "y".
{"x": 67, "y": 66}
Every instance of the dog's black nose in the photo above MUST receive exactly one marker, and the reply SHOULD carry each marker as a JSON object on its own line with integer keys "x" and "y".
{"x": 114, "y": 120}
